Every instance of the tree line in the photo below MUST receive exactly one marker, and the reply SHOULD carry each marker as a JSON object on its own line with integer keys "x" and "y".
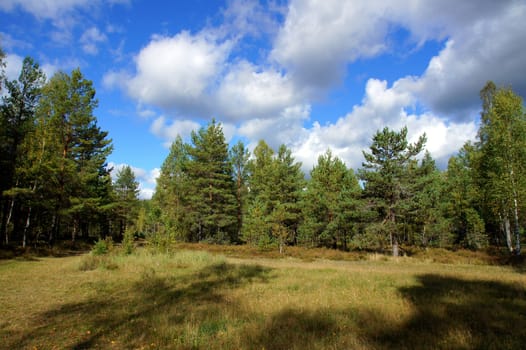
{"x": 56, "y": 184}
{"x": 54, "y": 178}
{"x": 399, "y": 198}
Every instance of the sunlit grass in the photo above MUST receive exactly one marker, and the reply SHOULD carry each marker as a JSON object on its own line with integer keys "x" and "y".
{"x": 196, "y": 299}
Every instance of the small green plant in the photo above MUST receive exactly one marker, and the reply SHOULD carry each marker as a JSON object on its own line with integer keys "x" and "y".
{"x": 102, "y": 246}
{"x": 128, "y": 245}
{"x": 161, "y": 242}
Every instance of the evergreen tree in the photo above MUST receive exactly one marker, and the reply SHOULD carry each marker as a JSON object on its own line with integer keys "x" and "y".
{"x": 386, "y": 179}
{"x": 330, "y": 203}
{"x": 212, "y": 197}
{"x": 72, "y": 152}
{"x": 172, "y": 193}
{"x": 463, "y": 200}
{"x": 126, "y": 190}
{"x": 425, "y": 212}
{"x": 288, "y": 184}
{"x": 16, "y": 124}
{"x": 275, "y": 192}
{"x": 256, "y": 228}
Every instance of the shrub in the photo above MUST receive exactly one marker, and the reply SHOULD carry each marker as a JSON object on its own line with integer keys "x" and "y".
{"x": 102, "y": 246}
{"x": 128, "y": 245}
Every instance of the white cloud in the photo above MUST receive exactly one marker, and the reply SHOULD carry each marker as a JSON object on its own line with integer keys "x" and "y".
{"x": 283, "y": 129}
{"x": 249, "y": 17}
{"x": 246, "y": 92}
{"x": 44, "y": 8}
{"x": 9, "y": 43}
{"x": 176, "y": 72}
{"x": 320, "y": 38}
{"x": 168, "y": 130}
{"x": 196, "y": 76}
{"x": 90, "y": 40}
{"x": 381, "y": 107}
{"x": 13, "y": 66}
{"x": 485, "y": 50}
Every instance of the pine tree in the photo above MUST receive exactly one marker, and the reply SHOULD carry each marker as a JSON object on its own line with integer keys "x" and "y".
{"x": 275, "y": 188}
{"x": 425, "y": 212}
{"x": 464, "y": 198}
{"x": 126, "y": 189}
{"x": 172, "y": 193}
{"x": 17, "y": 123}
{"x": 72, "y": 152}
{"x": 386, "y": 179}
{"x": 256, "y": 229}
{"x": 329, "y": 203}
{"x": 212, "y": 197}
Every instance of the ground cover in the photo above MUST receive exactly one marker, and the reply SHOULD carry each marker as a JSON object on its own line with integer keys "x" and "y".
{"x": 191, "y": 298}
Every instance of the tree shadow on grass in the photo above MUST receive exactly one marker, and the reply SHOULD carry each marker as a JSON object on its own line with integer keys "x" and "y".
{"x": 128, "y": 318}
{"x": 452, "y": 313}
{"x": 448, "y": 313}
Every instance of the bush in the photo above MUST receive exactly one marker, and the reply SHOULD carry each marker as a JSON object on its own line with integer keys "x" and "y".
{"x": 102, "y": 246}
{"x": 128, "y": 245}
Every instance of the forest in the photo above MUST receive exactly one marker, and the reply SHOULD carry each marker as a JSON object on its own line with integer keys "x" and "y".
{"x": 55, "y": 183}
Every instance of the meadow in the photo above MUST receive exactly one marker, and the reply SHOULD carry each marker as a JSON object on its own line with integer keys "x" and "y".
{"x": 213, "y": 297}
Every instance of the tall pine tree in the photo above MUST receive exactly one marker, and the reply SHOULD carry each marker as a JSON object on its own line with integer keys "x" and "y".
{"x": 212, "y": 198}
{"x": 386, "y": 179}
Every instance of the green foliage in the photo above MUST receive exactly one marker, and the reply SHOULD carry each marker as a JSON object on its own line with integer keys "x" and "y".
{"x": 275, "y": 184}
{"x": 102, "y": 246}
{"x": 501, "y": 166}
{"x": 128, "y": 241}
{"x": 126, "y": 189}
{"x": 388, "y": 180}
{"x": 329, "y": 204}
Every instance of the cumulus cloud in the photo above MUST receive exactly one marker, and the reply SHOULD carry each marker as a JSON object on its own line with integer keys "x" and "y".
{"x": 249, "y": 92}
{"x": 176, "y": 72}
{"x": 90, "y": 40}
{"x": 196, "y": 76}
{"x": 13, "y": 66}
{"x": 190, "y": 76}
{"x": 284, "y": 129}
{"x": 168, "y": 130}
{"x": 483, "y": 50}
{"x": 381, "y": 106}
{"x": 319, "y": 39}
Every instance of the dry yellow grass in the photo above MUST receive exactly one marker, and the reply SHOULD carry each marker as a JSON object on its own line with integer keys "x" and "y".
{"x": 194, "y": 299}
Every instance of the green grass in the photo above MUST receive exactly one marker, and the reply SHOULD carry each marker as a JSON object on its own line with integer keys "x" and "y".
{"x": 192, "y": 299}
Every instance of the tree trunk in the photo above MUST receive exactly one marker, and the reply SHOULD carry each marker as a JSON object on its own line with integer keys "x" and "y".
{"x": 26, "y": 227}
{"x": 507, "y": 231}
{"x": 9, "y": 216}
{"x": 516, "y": 229}
{"x": 396, "y": 248}
{"x": 74, "y": 232}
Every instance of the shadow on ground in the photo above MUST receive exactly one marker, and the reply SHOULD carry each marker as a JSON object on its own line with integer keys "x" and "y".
{"x": 127, "y": 318}
{"x": 449, "y": 313}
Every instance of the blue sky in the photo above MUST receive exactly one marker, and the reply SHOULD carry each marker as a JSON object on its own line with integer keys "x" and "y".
{"x": 312, "y": 74}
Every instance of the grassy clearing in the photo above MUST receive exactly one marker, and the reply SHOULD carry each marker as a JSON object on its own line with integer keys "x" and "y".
{"x": 196, "y": 299}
